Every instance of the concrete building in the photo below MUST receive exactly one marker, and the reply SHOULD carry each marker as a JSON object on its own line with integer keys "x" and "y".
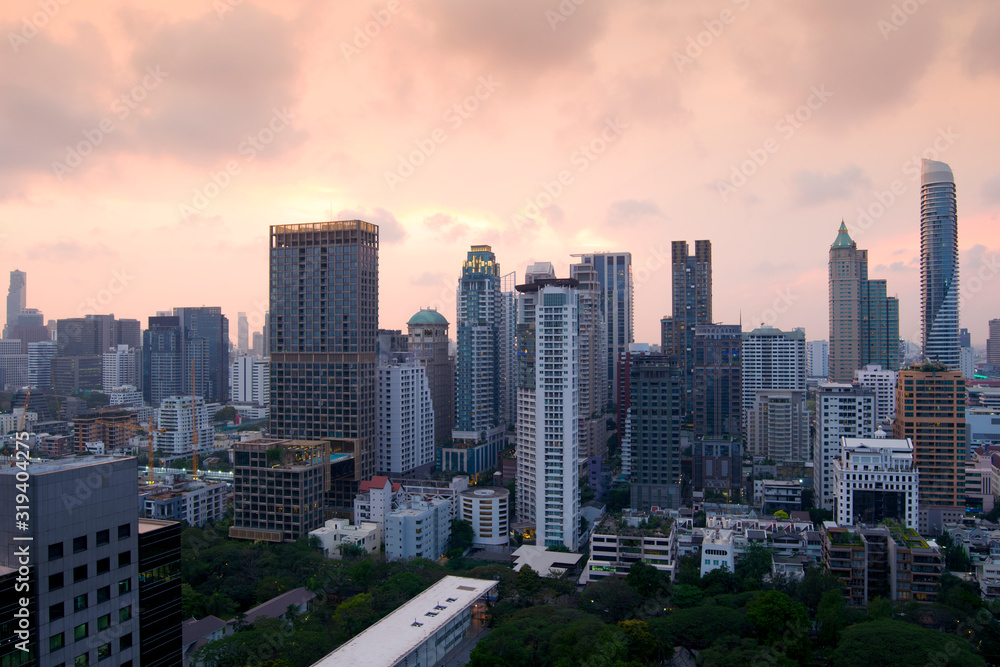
{"x": 487, "y": 509}
{"x": 375, "y": 499}
{"x": 614, "y": 547}
{"x": 204, "y": 352}
{"x": 335, "y": 533}
{"x": 17, "y": 299}
{"x": 242, "y": 333}
{"x": 279, "y": 486}
{"x": 993, "y": 344}
{"x": 594, "y": 385}
{"x": 930, "y": 411}
{"x": 982, "y": 427}
{"x": 780, "y": 494}
{"x": 428, "y": 340}
{"x": 842, "y": 411}
{"x": 548, "y": 404}
{"x": 40, "y": 356}
{"x": 193, "y": 501}
{"x": 120, "y": 366}
{"x": 13, "y": 367}
{"x": 778, "y": 425}
{"x": 654, "y": 432}
{"x": 691, "y": 299}
{"x": 332, "y": 267}
{"x": 817, "y": 358}
{"x": 717, "y": 377}
{"x": 614, "y": 276}
{"x": 882, "y": 382}
{"x": 424, "y": 631}
{"x": 112, "y": 426}
{"x": 73, "y": 374}
{"x": 939, "y": 272}
{"x": 83, "y": 533}
{"x": 418, "y": 529}
{"x": 251, "y": 381}
{"x": 184, "y": 421}
{"x": 874, "y": 480}
{"x": 717, "y": 465}
{"x": 718, "y": 550}
{"x": 404, "y": 416}
{"x": 772, "y": 359}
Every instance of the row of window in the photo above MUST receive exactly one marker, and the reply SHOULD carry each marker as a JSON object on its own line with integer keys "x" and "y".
{"x": 81, "y": 602}
{"x": 80, "y": 573}
{"x": 80, "y": 544}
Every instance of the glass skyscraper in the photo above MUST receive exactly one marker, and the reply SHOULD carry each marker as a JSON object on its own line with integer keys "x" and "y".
{"x": 614, "y": 275}
{"x": 939, "y": 263}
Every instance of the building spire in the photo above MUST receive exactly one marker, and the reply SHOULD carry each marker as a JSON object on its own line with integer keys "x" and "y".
{"x": 843, "y": 239}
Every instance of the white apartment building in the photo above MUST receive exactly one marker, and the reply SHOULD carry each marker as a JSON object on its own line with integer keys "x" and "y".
{"x": 487, "y": 510}
{"x": 338, "y": 532}
{"x": 548, "y": 411}
{"x": 777, "y": 425}
{"x": 193, "y": 501}
{"x": 842, "y": 411}
{"x": 124, "y": 395}
{"x": 883, "y": 383}
{"x": 718, "y": 550}
{"x": 818, "y": 353}
{"x": 14, "y": 367}
{"x": 376, "y": 498}
{"x": 404, "y": 416}
{"x": 418, "y": 529}
{"x": 772, "y": 359}
{"x": 120, "y": 366}
{"x": 614, "y": 549}
{"x": 875, "y": 479}
{"x": 181, "y": 418}
{"x": 251, "y": 381}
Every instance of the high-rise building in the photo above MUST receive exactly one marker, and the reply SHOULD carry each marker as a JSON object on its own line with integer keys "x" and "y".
{"x": 160, "y": 620}
{"x": 508, "y": 347}
{"x": 864, "y": 320}
{"x": 842, "y": 411}
{"x": 772, "y": 359}
{"x": 818, "y": 354}
{"x": 120, "y": 367}
{"x": 78, "y": 336}
{"x": 691, "y": 296}
{"x": 594, "y": 396}
{"x": 653, "y": 425}
{"x": 778, "y": 425}
{"x": 939, "y": 295}
{"x": 874, "y": 479}
{"x": 17, "y": 299}
{"x": 883, "y": 384}
{"x": 251, "y": 381}
{"x": 80, "y": 373}
{"x": 548, "y": 450}
{"x": 126, "y": 332}
{"x": 40, "y": 356}
{"x": 964, "y": 338}
{"x": 993, "y": 344}
{"x": 405, "y": 417}
{"x": 279, "y": 486}
{"x": 85, "y": 558}
{"x": 258, "y": 345}
{"x": 162, "y": 359}
{"x": 242, "y": 333}
{"x": 614, "y": 275}
{"x": 428, "y": 340}
{"x": 180, "y": 418}
{"x": 323, "y": 320}
{"x": 479, "y": 429}
{"x": 930, "y": 411}
{"x": 206, "y": 346}
{"x": 717, "y": 380}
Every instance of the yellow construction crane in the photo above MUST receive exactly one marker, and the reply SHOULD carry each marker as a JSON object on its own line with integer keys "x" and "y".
{"x": 129, "y": 426}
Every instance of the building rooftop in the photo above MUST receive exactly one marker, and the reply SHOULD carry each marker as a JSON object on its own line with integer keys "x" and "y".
{"x": 278, "y": 605}
{"x": 68, "y": 463}
{"x": 843, "y": 239}
{"x": 543, "y": 561}
{"x": 149, "y": 525}
{"x": 395, "y": 636}
{"x": 427, "y": 316}
{"x": 192, "y": 631}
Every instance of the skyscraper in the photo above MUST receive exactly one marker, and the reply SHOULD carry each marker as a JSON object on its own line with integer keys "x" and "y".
{"x": 778, "y": 425}
{"x": 242, "y": 333}
{"x": 162, "y": 359}
{"x": 691, "y": 296}
{"x": 772, "y": 359}
{"x": 818, "y": 356}
{"x": 322, "y": 325}
{"x": 428, "y": 339}
{"x": 548, "y": 352}
{"x": 864, "y": 320}
{"x": 842, "y": 411}
{"x": 939, "y": 263}
{"x": 594, "y": 393}
{"x": 993, "y": 344}
{"x": 930, "y": 410}
{"x": 405, "y": 416}
{"x": 17, "y": 298}
{"x": 614, "y": 275}
{"x": 653, "y": 425}
{"x": 206, "y": 343}
{"x": 717, "y": 380}
{"x": 479, "y": 401}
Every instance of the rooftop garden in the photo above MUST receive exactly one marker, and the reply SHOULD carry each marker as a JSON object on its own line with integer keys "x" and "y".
{"x": 616, "y": 524}
{"x": 904, "y": 535}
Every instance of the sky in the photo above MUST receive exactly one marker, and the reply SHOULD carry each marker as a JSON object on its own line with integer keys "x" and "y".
{"x": 145, "y": 151}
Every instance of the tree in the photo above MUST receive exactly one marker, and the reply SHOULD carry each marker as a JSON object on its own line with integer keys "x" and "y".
{"x": 879, "y": 608}
{"x": 354, "y": 615}
{"x": 832, "y": 617}
{"x": 698, "y": 627}
{"x": 755, "y": 563}
{"x": 462, "y": 535}
{"x": 645, "y": 579}
{"x": 900, "y": 644}
{"x": 351, "y": 551}
{"x": 686, "y": 596}
{"x": 611, "y": 599}
{"x": 781, "y": 514}
{"x": 774, "y": 613}
{"x": 226, "y": 414}
{"x": 619, "y": 497}
{"x": 641, "y": 643}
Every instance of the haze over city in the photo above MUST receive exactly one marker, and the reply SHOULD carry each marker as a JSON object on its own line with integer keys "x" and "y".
{"x": 148, "y": 150}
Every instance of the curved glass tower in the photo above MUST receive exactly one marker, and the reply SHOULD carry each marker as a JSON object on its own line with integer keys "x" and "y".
{"x": 939, "y": 263}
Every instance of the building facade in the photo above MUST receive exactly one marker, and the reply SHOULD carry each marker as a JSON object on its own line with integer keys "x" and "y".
{"x": 818, "y": 356}
{"x": 488, "y": 511}
{"x": 185, "y": 426}
{"x": 778, "y": 425}
{"x": 594, "y": 394}
{"x": 772, "y": 359}
{"x": 882, "y": 383}
{"x": 717, "y": 377}
{"x": 428, "y": 340}
{"x": 404, "y": 417}
{"x": 120, "y": 367}
{"x": 614, "y": 275}
{"x": 875, "y": 480}
{"x": 842, "y": 411}
{"x": 691, "y": 296}
{"x": 654, "y": 421}
{"x": 251, "y": 381}
{"x": 939, "y": 272}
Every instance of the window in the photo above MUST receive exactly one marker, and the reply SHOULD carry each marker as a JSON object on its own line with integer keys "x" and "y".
{"x": 80, "y": 632}
{"x": 80, "y": 602}
{"x": 124, "y": 586}
{"x": 55, "y": 581}
{"x": 124, "y": 614}
{"x": 81, "y": 660}
{"x": 125, "y": 642}
{"x": 56, "y": 611}
{"x": 103, "y": 594}
{"x": 103, "y": 565}
{"x": 103, "y": 651}
{"x": 124, "y": 530}
{"x": 103, "y": 537}
{"x": 56, "y": 642}
{"x": 79, "y": 573}
{"x": 79, "y": 544}
{"x": 124, "y": 558}
{"x": 55, "y": 551}
{"x": 104, "y": 622}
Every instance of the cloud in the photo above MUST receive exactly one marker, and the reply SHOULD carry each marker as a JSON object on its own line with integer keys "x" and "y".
{"x": 428, "y": 279}
{"x": 389, "y": 229}
{"x": 69, "y": 251}
{"x": 629, "y": 212}
{"x": 912, "y": 265}
{"x": 982, "y": 50}
{"x": 991, "y": 190}
{"x": 814, "y": 187}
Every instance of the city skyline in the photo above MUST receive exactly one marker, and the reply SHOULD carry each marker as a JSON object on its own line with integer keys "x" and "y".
{"x": 596, "y": 98}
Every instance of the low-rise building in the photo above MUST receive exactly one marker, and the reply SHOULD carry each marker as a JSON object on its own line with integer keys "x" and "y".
{"x": 874, "y": 479}
{"x": 193, "y": 501}
{"x": 338, "y": 532}
{"x": 718, "y": 550}
{"x": 418, "y": 529}
{"x": 615, "y": 546}
{"x": 776, "y": 494}
{"x": 487, "y": 509}
{"x": 376, "y": 498}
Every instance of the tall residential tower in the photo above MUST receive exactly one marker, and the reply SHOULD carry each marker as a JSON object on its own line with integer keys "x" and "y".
{"x": 939, "y": 264}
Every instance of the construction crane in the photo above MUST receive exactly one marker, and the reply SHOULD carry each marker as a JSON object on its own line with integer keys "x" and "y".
{"x": 129, "y": 426}
{"x": 194, "y": 428}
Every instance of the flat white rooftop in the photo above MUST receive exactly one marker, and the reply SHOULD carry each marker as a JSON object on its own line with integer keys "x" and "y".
{"x": 395, "y": 636}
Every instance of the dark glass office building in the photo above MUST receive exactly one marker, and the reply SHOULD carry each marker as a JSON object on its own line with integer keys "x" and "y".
{"x": 160, "y": 593}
